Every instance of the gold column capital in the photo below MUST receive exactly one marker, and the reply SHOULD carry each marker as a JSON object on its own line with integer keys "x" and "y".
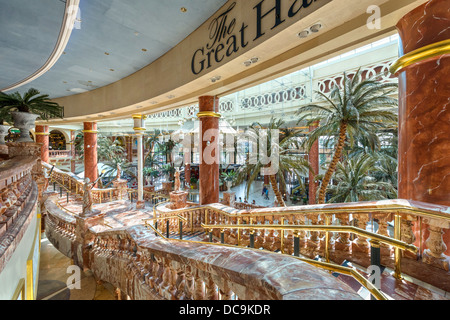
{"x": 208, "y": 114}
{"x": 421, "y": 54}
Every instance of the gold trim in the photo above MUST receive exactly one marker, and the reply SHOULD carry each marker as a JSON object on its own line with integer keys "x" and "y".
{"x": 90, "y": 131}
{"x": 140, "y": 129}
{"x": 208, "y": 114}
{"x": 29, "y": 282}
{"x": 20, "y": 289}
{"x": 137, "y": 116}
{"x": 421, "y": 54}
{"x": 41, "y": 133}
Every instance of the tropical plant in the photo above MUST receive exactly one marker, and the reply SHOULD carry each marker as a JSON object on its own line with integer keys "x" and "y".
{"x": 111, "y": 168}
{"x": 286, "y": 153}
{"x": 107, "y": 149}
{"x": 355, "y": 109}
{"x": 228, "y": 176}
{"x": 31, "y": 101}
{"x": 151, "y": 143}
{"x": 355, "y": 181}
{"x": 152, "y": 173}
{"x": 168, "y": 170}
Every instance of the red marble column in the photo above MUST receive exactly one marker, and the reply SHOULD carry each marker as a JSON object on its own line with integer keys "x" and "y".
{"x": 42, "y": 133}
{"x": 314, "y": 163}
{"x": 209, "y": 157}
{"x": 129, "y": 148}
{"x": 187, "y": 174}
{"x": 72, "y": 151}
{"x": 424, "y": 109}
{"x": 90, "y": 151}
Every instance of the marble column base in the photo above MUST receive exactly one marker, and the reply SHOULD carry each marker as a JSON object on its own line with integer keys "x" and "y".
{"x": 83, "y": 236}
{"x": 167, "y": 187}
{"x": 3, "y": 149}
{"x": 121, "y": 186}
{"x": 140, "y": 204}
{"x": 441, "y": 263}
{"x": 228, "y": 198}
{"x": 178, "y": 200}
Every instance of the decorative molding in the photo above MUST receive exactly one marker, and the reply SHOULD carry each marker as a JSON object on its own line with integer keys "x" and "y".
{"x": 70, "y": 13}
{"x": 208, "y": 114}
{"x": 421, "y": 54}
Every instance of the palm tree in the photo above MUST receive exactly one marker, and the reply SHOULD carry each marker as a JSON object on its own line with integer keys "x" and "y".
{"x": 286, "y": 151}
{"x": 106, "y": 148}
{"x": 355, "y": 181}
{"x": 151, "y": 142}
{"x": 354, "y": 109}
{"x": 32, "y": 102}
{"x": 113, "y": 163}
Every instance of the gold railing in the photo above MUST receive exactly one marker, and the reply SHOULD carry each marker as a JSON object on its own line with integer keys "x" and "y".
{"x": 350, "y": 271}
{"x": 215, "y": 218}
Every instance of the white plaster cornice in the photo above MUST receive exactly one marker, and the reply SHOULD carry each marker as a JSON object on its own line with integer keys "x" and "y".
{"x": 70, "y": 13}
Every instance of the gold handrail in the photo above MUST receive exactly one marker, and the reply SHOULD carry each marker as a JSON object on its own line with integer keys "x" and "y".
{"x": 324, "y": 265}
{"x": 401, "y": 209}
{"x": 330, "y": 228}
{"x": 347, "y": 271}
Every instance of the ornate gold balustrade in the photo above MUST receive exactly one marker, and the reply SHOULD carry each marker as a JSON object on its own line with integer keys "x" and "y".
{"x": 74, "y": 185}
{"x": 336, "y": 232}
{"x": 155, "y": 270}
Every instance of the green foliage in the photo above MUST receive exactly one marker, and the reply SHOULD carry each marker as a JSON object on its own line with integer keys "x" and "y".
{"x": 355, "y": 181}
{"x": 290, "y": 161}
{"x": 352, "y": 117}
{"x": 106, "y": 148}
{"x": 228, "y": 176}
{"x": 31, "y": 101}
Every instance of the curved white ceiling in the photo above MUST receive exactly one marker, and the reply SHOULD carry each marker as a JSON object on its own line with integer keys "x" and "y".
{"x": 115, "y": 39}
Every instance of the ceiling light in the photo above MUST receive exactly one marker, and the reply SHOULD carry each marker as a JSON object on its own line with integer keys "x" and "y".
{"x": 216, "y": 78}
{"x": 143, "y": 49}
{"x": 247, "y": 63}
{"x": 254, "y": 60}
{"x": 154, "y": 102}
{"x": 183, "y": 9}
{"x": 171, "y": 96}
{"x": 316, "y": 27}
{"x": 111, "y": 69}
{"x": 303, "y": 34}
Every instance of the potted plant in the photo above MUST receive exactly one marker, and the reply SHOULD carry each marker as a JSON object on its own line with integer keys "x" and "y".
{"x": 228, "y": 177}
{"x": 5, "y": 118}
{"x": 27, "y": 108}
{"x": 151, "y": 173}
{"x": 194, "y": 182}
{"x": 168, "y": 170}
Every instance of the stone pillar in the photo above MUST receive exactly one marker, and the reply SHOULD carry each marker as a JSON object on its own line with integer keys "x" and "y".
{"x": 228, "y": 198}
{"x": 187, "y": 174}
{"x": 424, "y": 113}
{"x": 209, "y": 151}
{"x": 72, "y": 151}
{"x": 139, "y": 128}
{"x": 42, "y": 133}
{"x": 90, "y": 151}
{"x": 129, "y": 148}
{"x": 314, "y": 163}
